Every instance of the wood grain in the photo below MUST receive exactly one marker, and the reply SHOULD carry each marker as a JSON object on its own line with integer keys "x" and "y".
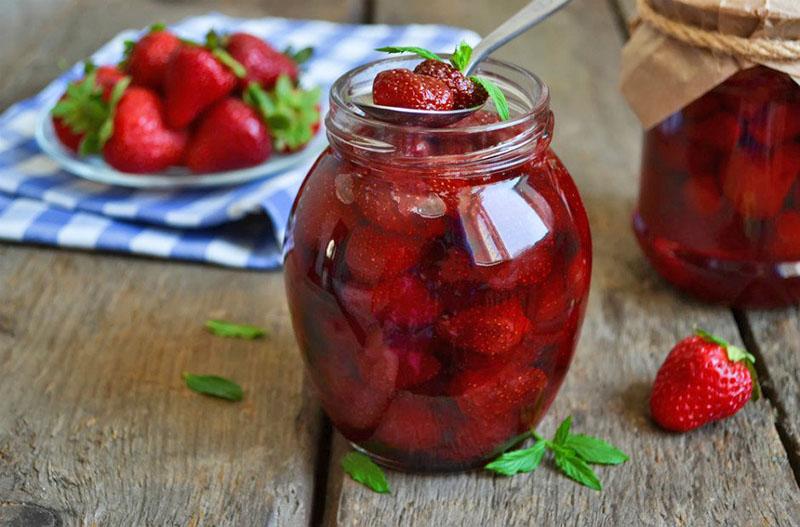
{"x": 633, "y": 320}
{"x": 96, "y": 426}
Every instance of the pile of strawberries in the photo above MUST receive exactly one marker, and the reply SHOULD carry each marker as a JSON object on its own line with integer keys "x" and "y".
{"x": 227, "y": 104}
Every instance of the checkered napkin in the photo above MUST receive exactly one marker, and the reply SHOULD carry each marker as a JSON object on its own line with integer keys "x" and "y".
{"x": 240, "y": 226}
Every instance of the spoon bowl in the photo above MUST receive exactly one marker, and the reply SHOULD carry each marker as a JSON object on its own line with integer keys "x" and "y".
{"x": 410, "y": 116}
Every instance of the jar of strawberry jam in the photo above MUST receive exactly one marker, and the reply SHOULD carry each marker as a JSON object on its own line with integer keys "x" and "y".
{"x": 437, "y": 278}
{"x": 719, "y": 206}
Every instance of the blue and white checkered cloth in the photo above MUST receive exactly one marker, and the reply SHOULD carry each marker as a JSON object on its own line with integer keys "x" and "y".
{"x": 42, "y": 204}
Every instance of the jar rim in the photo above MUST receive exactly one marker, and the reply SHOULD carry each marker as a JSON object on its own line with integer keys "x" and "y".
{"x": 539, "y": 105}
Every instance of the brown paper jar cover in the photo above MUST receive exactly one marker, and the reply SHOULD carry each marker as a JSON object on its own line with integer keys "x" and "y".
{"x": 661, "y": 74}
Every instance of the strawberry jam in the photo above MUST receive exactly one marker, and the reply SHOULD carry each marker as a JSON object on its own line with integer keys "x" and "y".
{"x": 437, "y": 278}
{"x": 719, "y": 207}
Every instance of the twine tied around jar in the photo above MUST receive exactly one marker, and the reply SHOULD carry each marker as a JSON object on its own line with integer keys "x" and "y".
{"x": 755, "y": 49}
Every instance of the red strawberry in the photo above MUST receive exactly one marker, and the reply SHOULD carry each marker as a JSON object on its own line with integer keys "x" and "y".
{"x": 264, "y": 64}
{"x": 721, "y": 131}
{"x": 148, "y": 59}
{"x": 549, "y": 305}
{"x": 757, "y": 183}
{"x": 416, "y": 367}
{"x": 473, "y": 439}
{"x": 141, "y": 141}
{"x": 372, "y": 255}
{"x": 785, "y": 241}
{"x": 85, "y": 106}
{"x": 414, "y": 422}
{"x": 497, "y": 389}
{"x": 703, "y": 379}
{"x": 490, "y": 329}
{"x": 702, "y": 195}
{"x": 388, "y": 207}
{"x": 195, "y": 80}
{"x": 528, "y": 268}
{"x": 404, "y": 301}
{"x": 230, "y": 135}
{"x": 405, "y": 89}
{"x": 466, "y": 93}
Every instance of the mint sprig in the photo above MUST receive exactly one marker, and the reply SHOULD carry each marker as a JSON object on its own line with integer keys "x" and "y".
{"x": 363, "y": 470}
{"x": 214, "y": 386}
{"x": 422, "y": 52}
{"x": 459, "y": 60}
{"x": 736, "y": 354}
{"x": 572, "y": 453}
{"x": 222, "y": 328}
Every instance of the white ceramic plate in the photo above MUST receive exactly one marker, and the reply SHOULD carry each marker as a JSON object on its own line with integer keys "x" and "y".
{"x": 94, "y": 168}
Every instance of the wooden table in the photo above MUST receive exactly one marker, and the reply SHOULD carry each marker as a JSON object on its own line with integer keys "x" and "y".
{"x": 96, "y": 427}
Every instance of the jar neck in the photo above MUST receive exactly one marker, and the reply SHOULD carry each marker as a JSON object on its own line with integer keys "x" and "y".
{"x": 479, "y": 145}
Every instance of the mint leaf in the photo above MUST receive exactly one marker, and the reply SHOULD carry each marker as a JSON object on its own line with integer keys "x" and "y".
{"x": 519, "y": 461}
{"x": 363, "y": 470}
{"x": 496, "y": 94}
{"x": 461, "y": 56}
{"x": 222, "y": 328}
{"x": 214, "y": 386}
{"x": 577, "y": 469}
{"x": 593, "y": 450}
{"x": 563, "y": 431}
{"x": 424, "y": 53}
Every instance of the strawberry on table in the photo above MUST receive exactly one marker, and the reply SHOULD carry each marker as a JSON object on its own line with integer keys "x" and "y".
{"x": 147, "y": 60}
{"x": 264, "y": 64}
{"x": 230, "y": 135}
{"x": 196, "y": 78}
{"x": 703, "y": 379}
{"x": 141, "y": 142}
{"x": 403, "y": 88}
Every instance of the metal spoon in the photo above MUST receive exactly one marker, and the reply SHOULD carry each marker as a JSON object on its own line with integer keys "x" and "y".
{"x": 523, "y": 20}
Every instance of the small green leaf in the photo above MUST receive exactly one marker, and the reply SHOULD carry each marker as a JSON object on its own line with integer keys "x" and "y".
{"x": 300, "y": 56}
{"x": 562, "y": 433}
{"x": 461, "y": 56}
{"x": 222, "y": 328}
{"x": 594, "y": 450}
{"x": 519, "y": 461}
{"x": 756, "y": 394}
{"x": 422, "y": 52}
{"x": 214, "y": 386}
{"x": 577, "y": 469}
{"x": 363, "y": 470}
{"x": 158, "y": 26}
{"x": 496, "y": 94}
{"x": 234, "y": 65}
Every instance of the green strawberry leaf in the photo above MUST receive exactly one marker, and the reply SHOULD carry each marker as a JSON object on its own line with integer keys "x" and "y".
{"x": 461, "y": 56}
{"x": 736, "y": 354}
{"x": 214, "y": 386}
{"x": 422, "y": 52}
{"x": 234, "y": 65}
{"x": 577, "y": 469}
{"x": 299, "y": 57}
{"x": 225, "y": 329}
{"x": 594, "y": 450}
{"x": 496, "y": 94}
{"x": 519, "y": 461}
{"x": 363, "y": 470}
{"x": 158, "y": 26}
{"x": 291, "y": 112}
{"x": 107, "y": 128}
{"x": 563, "y": 431}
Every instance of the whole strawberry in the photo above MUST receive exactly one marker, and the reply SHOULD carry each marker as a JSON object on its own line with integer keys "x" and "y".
{"x": 196, "y": 78}
{"x": 467, "y": 94}
{"x": 148, "y": 59}
{"x": 403, "y": 88}
{"x": 703, "y": 379}
{"x": 141, "y": 142}
{"x": 230, "y": 135}
{"x": 264, "y": 64}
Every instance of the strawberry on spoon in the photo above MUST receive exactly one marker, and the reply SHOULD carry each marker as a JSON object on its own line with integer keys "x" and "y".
{"x": 703, "y": 379}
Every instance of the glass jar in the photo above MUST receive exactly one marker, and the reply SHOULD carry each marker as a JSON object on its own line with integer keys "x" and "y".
{"x": 437, "y": 278}
{"x": 719, "y": 206}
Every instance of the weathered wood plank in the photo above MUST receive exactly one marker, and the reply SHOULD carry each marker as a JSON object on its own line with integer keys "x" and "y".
{"x": 95, "y": 422}
{"x": 96, "y": 427}
{"x": 633, "y": 320}
{"x": 43, "y": 37}
{"x": 777, "y": 338}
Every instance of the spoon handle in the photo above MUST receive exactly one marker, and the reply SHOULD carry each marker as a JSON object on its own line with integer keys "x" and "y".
{"x": 523, "y": 20}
